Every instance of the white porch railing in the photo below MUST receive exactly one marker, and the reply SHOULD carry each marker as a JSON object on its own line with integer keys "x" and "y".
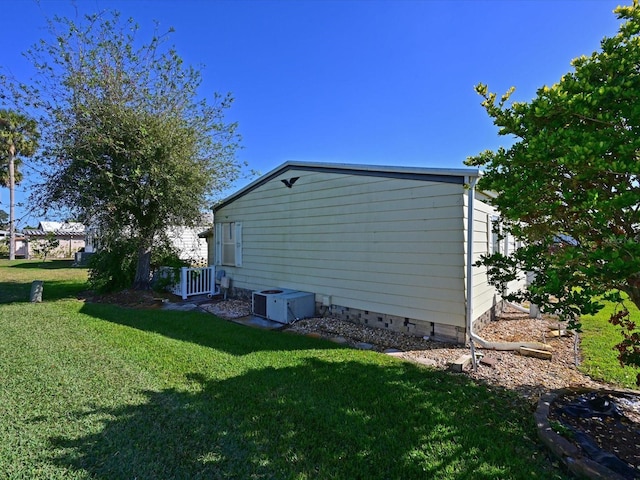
{"x": 196, "y": 281}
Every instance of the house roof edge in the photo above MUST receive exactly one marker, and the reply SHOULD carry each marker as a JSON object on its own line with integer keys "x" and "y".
{"x": 361, "y": 169}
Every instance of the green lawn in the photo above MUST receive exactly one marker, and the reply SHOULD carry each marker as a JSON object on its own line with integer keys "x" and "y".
{"x": 97, "y": 391}
{"x": 62, "y": 280}
{"x": 599, "y": 357}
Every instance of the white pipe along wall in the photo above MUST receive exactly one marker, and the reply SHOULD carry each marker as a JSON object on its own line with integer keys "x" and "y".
{"x": 472, "y": 336}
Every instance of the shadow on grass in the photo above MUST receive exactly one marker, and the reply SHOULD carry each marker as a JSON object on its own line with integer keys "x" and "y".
{"x": 204, "y": 329}
{"x": 11, "y": 292}
{"x": 318, "y": 419}
{"x": 40, "y": 265}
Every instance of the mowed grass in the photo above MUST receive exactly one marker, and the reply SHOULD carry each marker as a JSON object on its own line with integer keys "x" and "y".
{"x": 97, "y": 391}
{"x": 599, "y": 357}
{"x": 63, "y": 281}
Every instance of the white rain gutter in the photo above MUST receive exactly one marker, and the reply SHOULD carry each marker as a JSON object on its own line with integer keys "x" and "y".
{"x": 520, "y": 308}
{"x": 471, "y": 192}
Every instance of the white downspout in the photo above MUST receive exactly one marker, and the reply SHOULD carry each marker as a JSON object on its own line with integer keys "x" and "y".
{"x": 469, "y": 310}
{"x": 471, "y": 192}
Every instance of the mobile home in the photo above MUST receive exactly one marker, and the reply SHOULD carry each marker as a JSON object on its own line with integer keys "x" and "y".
{"x": 392, "y": 247}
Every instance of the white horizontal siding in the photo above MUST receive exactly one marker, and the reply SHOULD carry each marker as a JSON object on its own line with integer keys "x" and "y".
{"x": 484, "y": 295}
{"x": 190, "y": 247}
{"x": 392, "y": 246}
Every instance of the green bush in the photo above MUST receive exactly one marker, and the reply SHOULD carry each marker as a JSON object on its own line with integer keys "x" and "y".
{"x": 113, "y": 268}
{"x": 166, "y": 258}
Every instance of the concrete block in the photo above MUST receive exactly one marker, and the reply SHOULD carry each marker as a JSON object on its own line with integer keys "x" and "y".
{"x": 429, "y": 362}
{"x": 394, "y": 352}
{"x": 340, "y": 340}
{"x": 489, "y": 361}
{"x": 36, "y": 291}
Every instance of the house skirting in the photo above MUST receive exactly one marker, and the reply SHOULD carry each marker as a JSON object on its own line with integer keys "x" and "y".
{"x": 438, "y": 332}
{"x": 489, "y": 316}
{"x": 410, "y": 326}
{"x": 240, "y": 293}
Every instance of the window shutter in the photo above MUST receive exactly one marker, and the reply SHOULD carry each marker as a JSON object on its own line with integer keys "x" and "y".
{"x": 217, "y": 238}
{"x": 238, "y": 244}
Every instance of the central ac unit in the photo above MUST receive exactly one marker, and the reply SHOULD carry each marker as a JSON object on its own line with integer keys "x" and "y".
{"x": 282, "y": 305}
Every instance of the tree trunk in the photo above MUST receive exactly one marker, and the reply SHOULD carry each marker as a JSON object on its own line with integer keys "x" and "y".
{"x": 12, "y": 203}
{"x": 634, "y": 290}
{"x": 142, "y": 280}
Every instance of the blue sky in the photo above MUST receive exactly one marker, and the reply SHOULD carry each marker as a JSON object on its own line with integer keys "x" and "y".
{"x": 351, "y": 81}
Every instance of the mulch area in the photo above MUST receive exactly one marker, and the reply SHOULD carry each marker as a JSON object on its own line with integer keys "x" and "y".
{"x": 606, "y": 425}
{"x": 131, "y": 298}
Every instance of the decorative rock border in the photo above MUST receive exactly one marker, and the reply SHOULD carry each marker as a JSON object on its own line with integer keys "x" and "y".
{"x": 565, "y": 450}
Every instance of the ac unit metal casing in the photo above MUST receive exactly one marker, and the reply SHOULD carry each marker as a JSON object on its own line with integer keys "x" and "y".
{"x": 282, "y": 305}
{"x": 260, "y": 300}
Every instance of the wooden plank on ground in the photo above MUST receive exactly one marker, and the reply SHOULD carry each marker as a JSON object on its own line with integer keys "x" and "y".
{"x": 532, "y": 352}
{"x": 460, "y": 363}
{"x": 557, "y": 333}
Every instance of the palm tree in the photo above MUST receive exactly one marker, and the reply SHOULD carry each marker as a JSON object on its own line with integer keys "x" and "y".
{"x": 18, "y": 136}
{"x": 4, "y": 171}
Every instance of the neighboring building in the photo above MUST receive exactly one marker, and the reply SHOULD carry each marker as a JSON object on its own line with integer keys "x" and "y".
{"x": 190, "y": 245}
{"x": 22, "y": 246}
{"x": 71, "y": 236}
{"x": 207, "y": 236}
{"x": 20, "y": 242}
{"x": 385, "y": 246}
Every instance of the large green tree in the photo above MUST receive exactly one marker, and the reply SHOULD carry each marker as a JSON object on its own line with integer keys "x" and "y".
{"x": 18, "y": 137}
{"x": 569, "y": 185}
{"x": 4, "y": 220}
{"x": 4, "y": 172}
{"x": 130, "y": 146}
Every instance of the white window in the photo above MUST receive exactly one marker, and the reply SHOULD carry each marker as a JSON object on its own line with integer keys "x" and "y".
{"x": 229, "y": 244}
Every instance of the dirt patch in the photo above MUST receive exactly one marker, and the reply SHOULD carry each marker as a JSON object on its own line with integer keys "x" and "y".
{"x": 131, "y": 298}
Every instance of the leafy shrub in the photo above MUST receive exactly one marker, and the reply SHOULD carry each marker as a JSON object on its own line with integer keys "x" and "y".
{"x": 166, "y": 257}
{"x": 113, "y": 267}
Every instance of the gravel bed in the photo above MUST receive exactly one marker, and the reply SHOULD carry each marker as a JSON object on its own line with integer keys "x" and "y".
{"x": 528, "y": 376}
{"x": 228, "y": 309}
